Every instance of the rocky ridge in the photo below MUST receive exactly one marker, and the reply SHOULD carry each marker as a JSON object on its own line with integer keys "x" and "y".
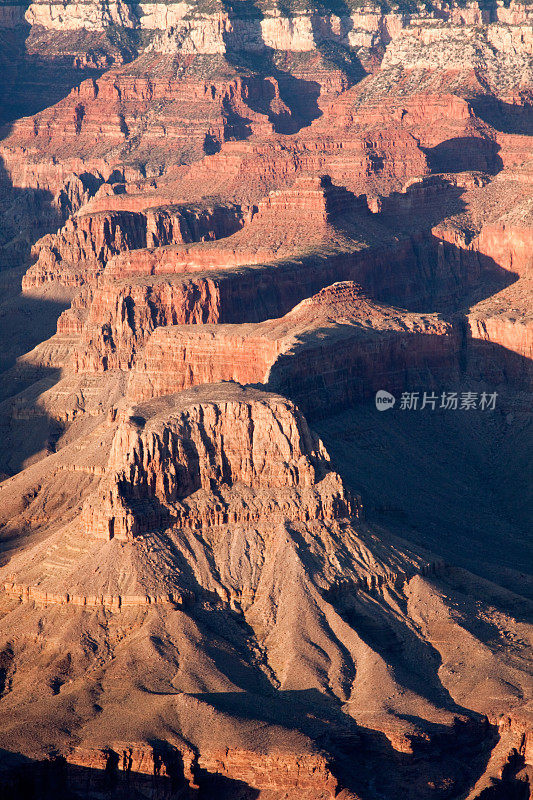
{"x": 257, "y": 213}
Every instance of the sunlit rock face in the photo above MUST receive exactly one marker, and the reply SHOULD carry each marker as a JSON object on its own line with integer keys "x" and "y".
{"x": 228, "y": 229}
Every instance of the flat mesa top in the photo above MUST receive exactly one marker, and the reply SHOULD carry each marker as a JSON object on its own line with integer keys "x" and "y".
{"x": 211, "y": 394}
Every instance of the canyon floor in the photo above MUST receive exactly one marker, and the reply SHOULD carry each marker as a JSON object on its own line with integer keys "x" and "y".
{"x": 226, "y": 573}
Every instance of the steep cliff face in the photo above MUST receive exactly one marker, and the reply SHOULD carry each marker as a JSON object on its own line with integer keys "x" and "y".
{"x": 287, "y": 354}
{"x": 205, "y": 104}
{"x": 500, "y": 326}
{"x": 509, "y": 244}
{"x": 106, "y": 129}
{"x": 494, "y": 337}
{"x": 121, "y": 315}
{"x": 493, "y": 48}
{"x": 167, "y": 467}
{"x": 316, "y": 202}
{"x": 79, "y": 252}
{"x": 210, "y": 104}
{"x": 73, "y": 16}
{"x": 368, "y": 30}
{"x": 215, "y": 30}
{"x": 256, "y": 273}
{"x": 180, "y": 771}
{"x": 112, "y": 112}
{"x": 238, "y": 582}
{"x": 142, "y": 291}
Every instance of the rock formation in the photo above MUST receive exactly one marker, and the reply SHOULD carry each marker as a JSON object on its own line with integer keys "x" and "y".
{"x": 224, "y": 573}
{"x": 286, "y": 354}
{"x": 233, "y": 444}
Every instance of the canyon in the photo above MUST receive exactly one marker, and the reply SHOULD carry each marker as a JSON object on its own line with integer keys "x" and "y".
{"x": 226, "y": 228}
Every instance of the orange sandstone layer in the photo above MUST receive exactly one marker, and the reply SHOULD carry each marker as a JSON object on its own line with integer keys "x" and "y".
{"x": 332, "y": 349}
{"x": 160, "y": 468}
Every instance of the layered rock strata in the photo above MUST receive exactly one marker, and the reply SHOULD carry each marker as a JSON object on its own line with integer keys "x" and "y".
{"x": 216, "y": 283}
{"x": 192, "y": 603}
{"x": 172, "y": 464}
{"x": 80, "y": 251}
{"x": 332, "y": 349}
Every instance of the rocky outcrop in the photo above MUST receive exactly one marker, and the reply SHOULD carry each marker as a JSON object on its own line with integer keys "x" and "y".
{"x": 498, "y": 51}
{"x": 145, "y": 289}
{"x": 122, "y": 314}
{"x": 301, "y": 32}
{"x": 500, "y": 328}
{"x": 74, "y": 15}
{"x": 39, "y": 197}
{"x": 500, "y": 337}
{"x": 32, "y": 594}
{"x": 192, "y": 603}
{"x": 354, "y": 157}
{"x": 302, "y": 776}
{"x": 108, "y": 119}
{"x": 275, "y": 228}
{"x": 288, "y": 354}
{"x": 256, "y": 448}
{"x": 509, "y": 245}
{"x": 195, "y": 29}
{"x": 512, "y": 334}
{"x": 182, "y": 772}
{"x": 115, "y": 320}
{"x": 205, "y": 102}
{"x": 310, "y": 202}
{"x": 176, "y": 358}
{"x": 78, "y": 253}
